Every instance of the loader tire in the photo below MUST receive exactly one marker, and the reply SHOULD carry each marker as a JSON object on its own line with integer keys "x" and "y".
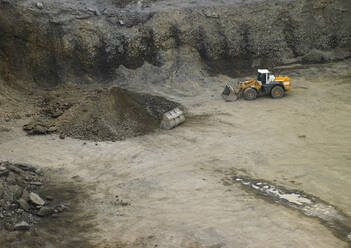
{"x": 277, "y": 92}
{"x": 250, "y": 94}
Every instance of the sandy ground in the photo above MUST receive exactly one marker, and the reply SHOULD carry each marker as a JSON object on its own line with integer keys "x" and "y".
{"x": 173, "y": 181}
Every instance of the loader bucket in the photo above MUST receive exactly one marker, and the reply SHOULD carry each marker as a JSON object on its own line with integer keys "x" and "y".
{"x": 172, "y": 119}
{"x": 229, "y": 94}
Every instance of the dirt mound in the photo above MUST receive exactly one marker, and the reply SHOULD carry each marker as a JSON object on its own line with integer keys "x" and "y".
{"x": 98, "y": 114}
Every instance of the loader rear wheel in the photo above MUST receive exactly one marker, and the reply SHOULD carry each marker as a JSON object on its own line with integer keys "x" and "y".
{"x": 250, "y": 94}
{"x": 277, "y": 92}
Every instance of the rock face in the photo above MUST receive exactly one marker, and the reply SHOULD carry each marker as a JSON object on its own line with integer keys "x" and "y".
{"x": 98, "y": 41}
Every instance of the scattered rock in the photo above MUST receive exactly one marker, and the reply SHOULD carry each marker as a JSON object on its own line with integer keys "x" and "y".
{"x": 39, "y": 171}
{"x": 94, "y": 11}
{"x": 320, "y": 4}
{"x": 119, "y": 202}
{"x": 20, "y": 207}
{"x": 36, "y": 199}
{"x": 39, "y": 5}
{"x": 26, "y": 167}
{"x": 11, "y": 178}
{"x": 45, "y": 211}
{"x": 210, "y": 14}
{"x": 34, "y": 127}
{"x": 3, "y": 171}
{"x": 49, "y": 198}
{"x": 77, "y": 178}
{"x": 15, "y": 190}
{"x": 22, "y": 226}
{"x": 52, "y": 129}
{"x": 24, "y": 204}
{"x": 56, "y": 113}
{"x": 15, "y": 169}
{"x": 16, "y": 116}
{"x": 61, "y": 208}
{"x": 36, "y": 183}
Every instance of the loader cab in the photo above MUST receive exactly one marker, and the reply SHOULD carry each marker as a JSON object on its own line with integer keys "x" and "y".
{"x": 265, "y": 77}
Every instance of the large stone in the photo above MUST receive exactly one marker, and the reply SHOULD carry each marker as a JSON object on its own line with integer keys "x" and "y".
{"x": 36, "y": 199}
{"x": 2, "y": 190}
{"x": 26, "y": 167}
{"x": 25, "y": 195}
{"x": 44, "y": 211}
{"x": 11, "y": 178}
{"x": 15, "y": 169}
{"x": 39, "y": 5}
{"x": 22, "y": 226}
{"x": 36, "y": 183}
{"x": 24, "y": 204}
{"x": 16, "y": 191}
{"x": 3, "y": 171}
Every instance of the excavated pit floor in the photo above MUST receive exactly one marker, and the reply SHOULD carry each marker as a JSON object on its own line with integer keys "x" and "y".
{"x": 166, "y": 188}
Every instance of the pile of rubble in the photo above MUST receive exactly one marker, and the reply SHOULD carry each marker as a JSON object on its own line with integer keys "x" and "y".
{"x": 22, "y": 205}
{"x": 97, "y": 114}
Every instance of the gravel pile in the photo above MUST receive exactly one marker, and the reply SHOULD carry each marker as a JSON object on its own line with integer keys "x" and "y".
{"x": 97, "y": 114}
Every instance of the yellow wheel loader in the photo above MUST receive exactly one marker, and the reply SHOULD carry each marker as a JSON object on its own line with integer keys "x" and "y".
{"x": 265, "y": 84}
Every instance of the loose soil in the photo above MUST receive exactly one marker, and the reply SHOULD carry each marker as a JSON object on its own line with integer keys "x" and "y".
{"x": 97, "y": 114}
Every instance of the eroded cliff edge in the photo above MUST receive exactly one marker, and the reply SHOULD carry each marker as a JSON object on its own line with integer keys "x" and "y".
{"x": 53, "y": 42}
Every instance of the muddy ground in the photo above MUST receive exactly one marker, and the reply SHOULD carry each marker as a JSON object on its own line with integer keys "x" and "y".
{"x": 169, "y": 188}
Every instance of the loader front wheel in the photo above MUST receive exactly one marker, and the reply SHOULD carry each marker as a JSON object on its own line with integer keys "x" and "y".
{"x": 250, "y": 94}
{"x": 277, "y": 92}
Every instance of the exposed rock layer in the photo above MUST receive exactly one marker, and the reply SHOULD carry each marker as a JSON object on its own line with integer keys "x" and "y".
{"x": 87, "y": 41}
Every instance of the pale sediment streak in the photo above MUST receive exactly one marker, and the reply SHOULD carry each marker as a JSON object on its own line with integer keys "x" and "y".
{"x": 307, "y": 204}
